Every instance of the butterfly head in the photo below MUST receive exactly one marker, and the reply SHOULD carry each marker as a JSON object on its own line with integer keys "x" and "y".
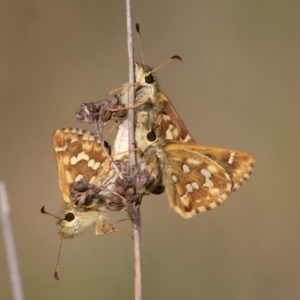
{"x": 144, "y": 75}
{"x": 74, "y": 220}
{"x": 147, "y": 86}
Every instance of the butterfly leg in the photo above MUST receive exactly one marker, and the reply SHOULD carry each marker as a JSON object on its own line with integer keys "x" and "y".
{"x": 110, "y": 228}
{"x": 140, "y": 103}
{"x": 143, "y": 119}
{"x": 123, "y": 156}
{"x": 124, "y": 89}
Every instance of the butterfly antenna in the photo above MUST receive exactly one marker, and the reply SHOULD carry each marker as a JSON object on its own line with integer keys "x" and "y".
{"x": 58, "y": 258}
{"x": 177, "y": 57}
{"x": 137, "y": 27}
{"x": 43, "y": 211}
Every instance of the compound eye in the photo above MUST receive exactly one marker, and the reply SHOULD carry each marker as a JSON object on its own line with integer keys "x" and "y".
{"x": 149, "y": 78}
{"x": 151, "y": 136}
{"x": 69, "y": 217}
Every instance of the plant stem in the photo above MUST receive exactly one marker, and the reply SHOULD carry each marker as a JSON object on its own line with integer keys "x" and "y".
{"x": 134, "y": 211}
{"x": 10, "y": 246}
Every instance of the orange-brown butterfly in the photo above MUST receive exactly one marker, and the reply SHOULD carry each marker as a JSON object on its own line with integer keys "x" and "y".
{"x": 80, "y": 158}
{"x": 196, "y": 178}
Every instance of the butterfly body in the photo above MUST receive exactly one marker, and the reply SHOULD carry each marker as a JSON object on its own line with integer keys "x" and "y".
{"x": 143, "y": 91}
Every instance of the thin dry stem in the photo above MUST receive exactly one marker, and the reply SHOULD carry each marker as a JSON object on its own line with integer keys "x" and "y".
{"x": 10, "y": 246}
{"x": 134, "y": 210}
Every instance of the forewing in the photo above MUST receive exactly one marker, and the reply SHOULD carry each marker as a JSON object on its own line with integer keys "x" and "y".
{"x": 172, "y": 126}
{"x": 78, "y": 155}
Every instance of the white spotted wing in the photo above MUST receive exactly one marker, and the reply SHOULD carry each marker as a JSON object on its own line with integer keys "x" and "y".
{"x": 199, "y": 178}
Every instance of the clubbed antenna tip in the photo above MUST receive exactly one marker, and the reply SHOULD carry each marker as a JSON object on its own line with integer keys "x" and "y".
{"x": 176, "y": 57}
{"x": 137, "y": 27}
{"x": 56, "y": 275}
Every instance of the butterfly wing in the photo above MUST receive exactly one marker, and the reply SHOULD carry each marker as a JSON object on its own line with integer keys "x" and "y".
{"x": 78, "y": 155}
{"x": 199, "y": 178}
{"x": 172, "y": 127}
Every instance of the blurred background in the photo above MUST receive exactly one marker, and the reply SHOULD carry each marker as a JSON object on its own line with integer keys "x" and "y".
{"x": 237, "y": 87}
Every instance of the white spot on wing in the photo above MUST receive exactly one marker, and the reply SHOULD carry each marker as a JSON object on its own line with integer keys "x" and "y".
{"x": 91, "y": 163}
{"x": 195, "y": 185}
{"x": 175, "y": 133}
{"x": 231, "y": 158}
{"x": 96, "y": 166}
{"x": 229, "y": 185}
{"x": 73, "y": 160}
{"x": 169, "y": 134}
{"x": 202, "y": 209}
{"x": 186, "y": 139}
{"x": 61, "y": 149}
{"x": 186, "y": 168}
{"x": 213, "y": 205}
{"x": 82, "y": 156}
{"x": 78, "y": 177}
{"x": 174, "y": 178}
{"x": 189, "y": 188}
{"x": 207, "y": 176}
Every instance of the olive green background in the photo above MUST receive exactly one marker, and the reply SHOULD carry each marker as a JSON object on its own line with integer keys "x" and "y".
{"x": 237, "y": 87}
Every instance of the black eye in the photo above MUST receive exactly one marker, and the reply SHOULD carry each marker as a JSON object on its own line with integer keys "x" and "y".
{"x": 149, "y": 78}
{"x": 151, "y": 136}
{"x": 69, "y": 217}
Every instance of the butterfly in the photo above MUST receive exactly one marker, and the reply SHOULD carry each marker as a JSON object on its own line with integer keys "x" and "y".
{"x": 196, "y": 178}
{"x": 168, "y": 152}
{"x": 82, "y": 168}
